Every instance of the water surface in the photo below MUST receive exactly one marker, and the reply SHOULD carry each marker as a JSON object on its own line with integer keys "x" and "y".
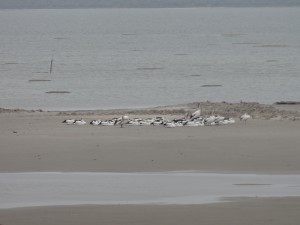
{"x": 46, "y": 189}
{"x": 128, "y": 58}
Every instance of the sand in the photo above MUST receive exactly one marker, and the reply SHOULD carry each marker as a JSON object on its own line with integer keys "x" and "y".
{"x": 274, "y": 211}
{"x": 38, "y": 141}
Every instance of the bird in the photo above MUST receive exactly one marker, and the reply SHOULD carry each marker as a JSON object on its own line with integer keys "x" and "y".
{"x": 210, "y": 120}
{"x": 107, "y": 123}
{"x": 195, "y": 121}
{"x": 191, "y": 124}
{"x": 95, "y": 122}
{"x": 219, "y": 119}
{"x": 69, "y": 121}
{"x": 122, "y": 121}
{"x": 80, "y": 122}
{"x": 157, "y": 122}
{"x": 169, "y": 125}
{"x": 245, "y": 117}
{"x": 196, "y": 114}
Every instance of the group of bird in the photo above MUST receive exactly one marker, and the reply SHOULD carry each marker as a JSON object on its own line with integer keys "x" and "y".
{"x": 190, "y": 120}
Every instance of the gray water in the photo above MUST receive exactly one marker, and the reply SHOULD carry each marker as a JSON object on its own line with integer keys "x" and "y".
{"x": 46, "y": 189}
{"x": 130, "y": 58}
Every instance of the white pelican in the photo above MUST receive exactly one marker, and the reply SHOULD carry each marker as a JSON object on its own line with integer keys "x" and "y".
{"x": 245, "y": 117}
{"x": 219, "y": 119}
{"x": 69, "y": 121}
{"x": 107, "y": 123}
{"x": 133, "y": 123}
{"x": 122, "y": 121}
{"x": 145, "y": 123}
{"x": 95, "y": 122}
{"x": 210, "y": 120}
{"x": 169, "y": 125}
{"x": 80, "y": 122}
{"x": 157, "y": 122}
{"x": 191, "y": 124}
{"x": 196, "y": 114}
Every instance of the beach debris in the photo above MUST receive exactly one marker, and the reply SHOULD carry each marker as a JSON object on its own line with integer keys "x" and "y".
{"x": 245, "y": 117}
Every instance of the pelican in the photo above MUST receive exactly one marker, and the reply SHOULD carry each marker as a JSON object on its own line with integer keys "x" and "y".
{"x": 245, "y": 117}
{"x": 169, "y": 125}
{"x": 69, "y": 121}
{"x": 95, "y": 122}
{"x": 219, "y": 119}
{"x": 122, "y": 121}
{"x": 145, "y": 123}
{"x": 210, "y": 120}
{"x": 133, "y": 123}
{"x": 107, "y": 123}
{"x": 191, "y": 124}
{"x": 196, "y": 114}
{"x": 80, "y": 122}
{"x": 157, "y": 122}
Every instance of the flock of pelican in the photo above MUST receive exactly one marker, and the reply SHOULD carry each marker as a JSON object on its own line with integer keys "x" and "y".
{"x": 190, "y": 120}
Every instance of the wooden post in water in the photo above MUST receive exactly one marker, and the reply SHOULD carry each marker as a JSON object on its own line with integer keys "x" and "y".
{"x": 51, "y": 64}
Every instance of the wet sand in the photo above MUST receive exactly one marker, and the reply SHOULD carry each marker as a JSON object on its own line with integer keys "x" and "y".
{"x": 38, "y": 141}
{"x": 156, "y": 188}
{"x": 273, "y": 211}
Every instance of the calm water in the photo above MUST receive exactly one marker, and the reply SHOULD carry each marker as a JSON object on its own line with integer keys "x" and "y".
{"x": 116, "y": 58}
{"x": 44, "y": 189}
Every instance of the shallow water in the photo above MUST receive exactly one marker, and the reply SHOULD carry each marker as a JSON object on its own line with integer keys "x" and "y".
{"x": 120, "y": 58}
{"x": 46, "y": 189}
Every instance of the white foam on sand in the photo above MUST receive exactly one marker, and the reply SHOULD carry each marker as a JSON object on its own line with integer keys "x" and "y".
{"x": 49, "y": 189}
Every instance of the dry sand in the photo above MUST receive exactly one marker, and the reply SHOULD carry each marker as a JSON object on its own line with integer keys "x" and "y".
{"x": 38, "y": 141}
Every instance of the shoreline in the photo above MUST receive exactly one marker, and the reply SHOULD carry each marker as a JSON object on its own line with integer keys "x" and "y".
{"x": 256, "y": 110}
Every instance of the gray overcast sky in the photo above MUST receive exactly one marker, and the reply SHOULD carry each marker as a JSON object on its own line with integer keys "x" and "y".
{"x": 21, "y": 4}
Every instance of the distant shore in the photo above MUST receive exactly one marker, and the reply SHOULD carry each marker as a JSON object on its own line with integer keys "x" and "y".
{"x": 286, "y": 110}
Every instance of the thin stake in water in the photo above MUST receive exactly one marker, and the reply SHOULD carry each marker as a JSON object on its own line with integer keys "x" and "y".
{"x": 51, "y": 65}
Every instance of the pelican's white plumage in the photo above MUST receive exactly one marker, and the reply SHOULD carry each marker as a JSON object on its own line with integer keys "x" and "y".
{"x": 196, "y": 114}
{"x": 122, "y": 121}
{"x": 79, "y": 122}
{"x": 95, "y": 122}
{"x": 108, "y": 123}
{"x": 210, "y": 120}
{"x": 69, "y": 121}
{"x": 170, "y": 125}
{"x": 245, "y": 117}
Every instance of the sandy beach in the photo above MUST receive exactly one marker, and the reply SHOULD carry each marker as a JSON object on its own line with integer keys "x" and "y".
{"x": 34, "y": 141}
